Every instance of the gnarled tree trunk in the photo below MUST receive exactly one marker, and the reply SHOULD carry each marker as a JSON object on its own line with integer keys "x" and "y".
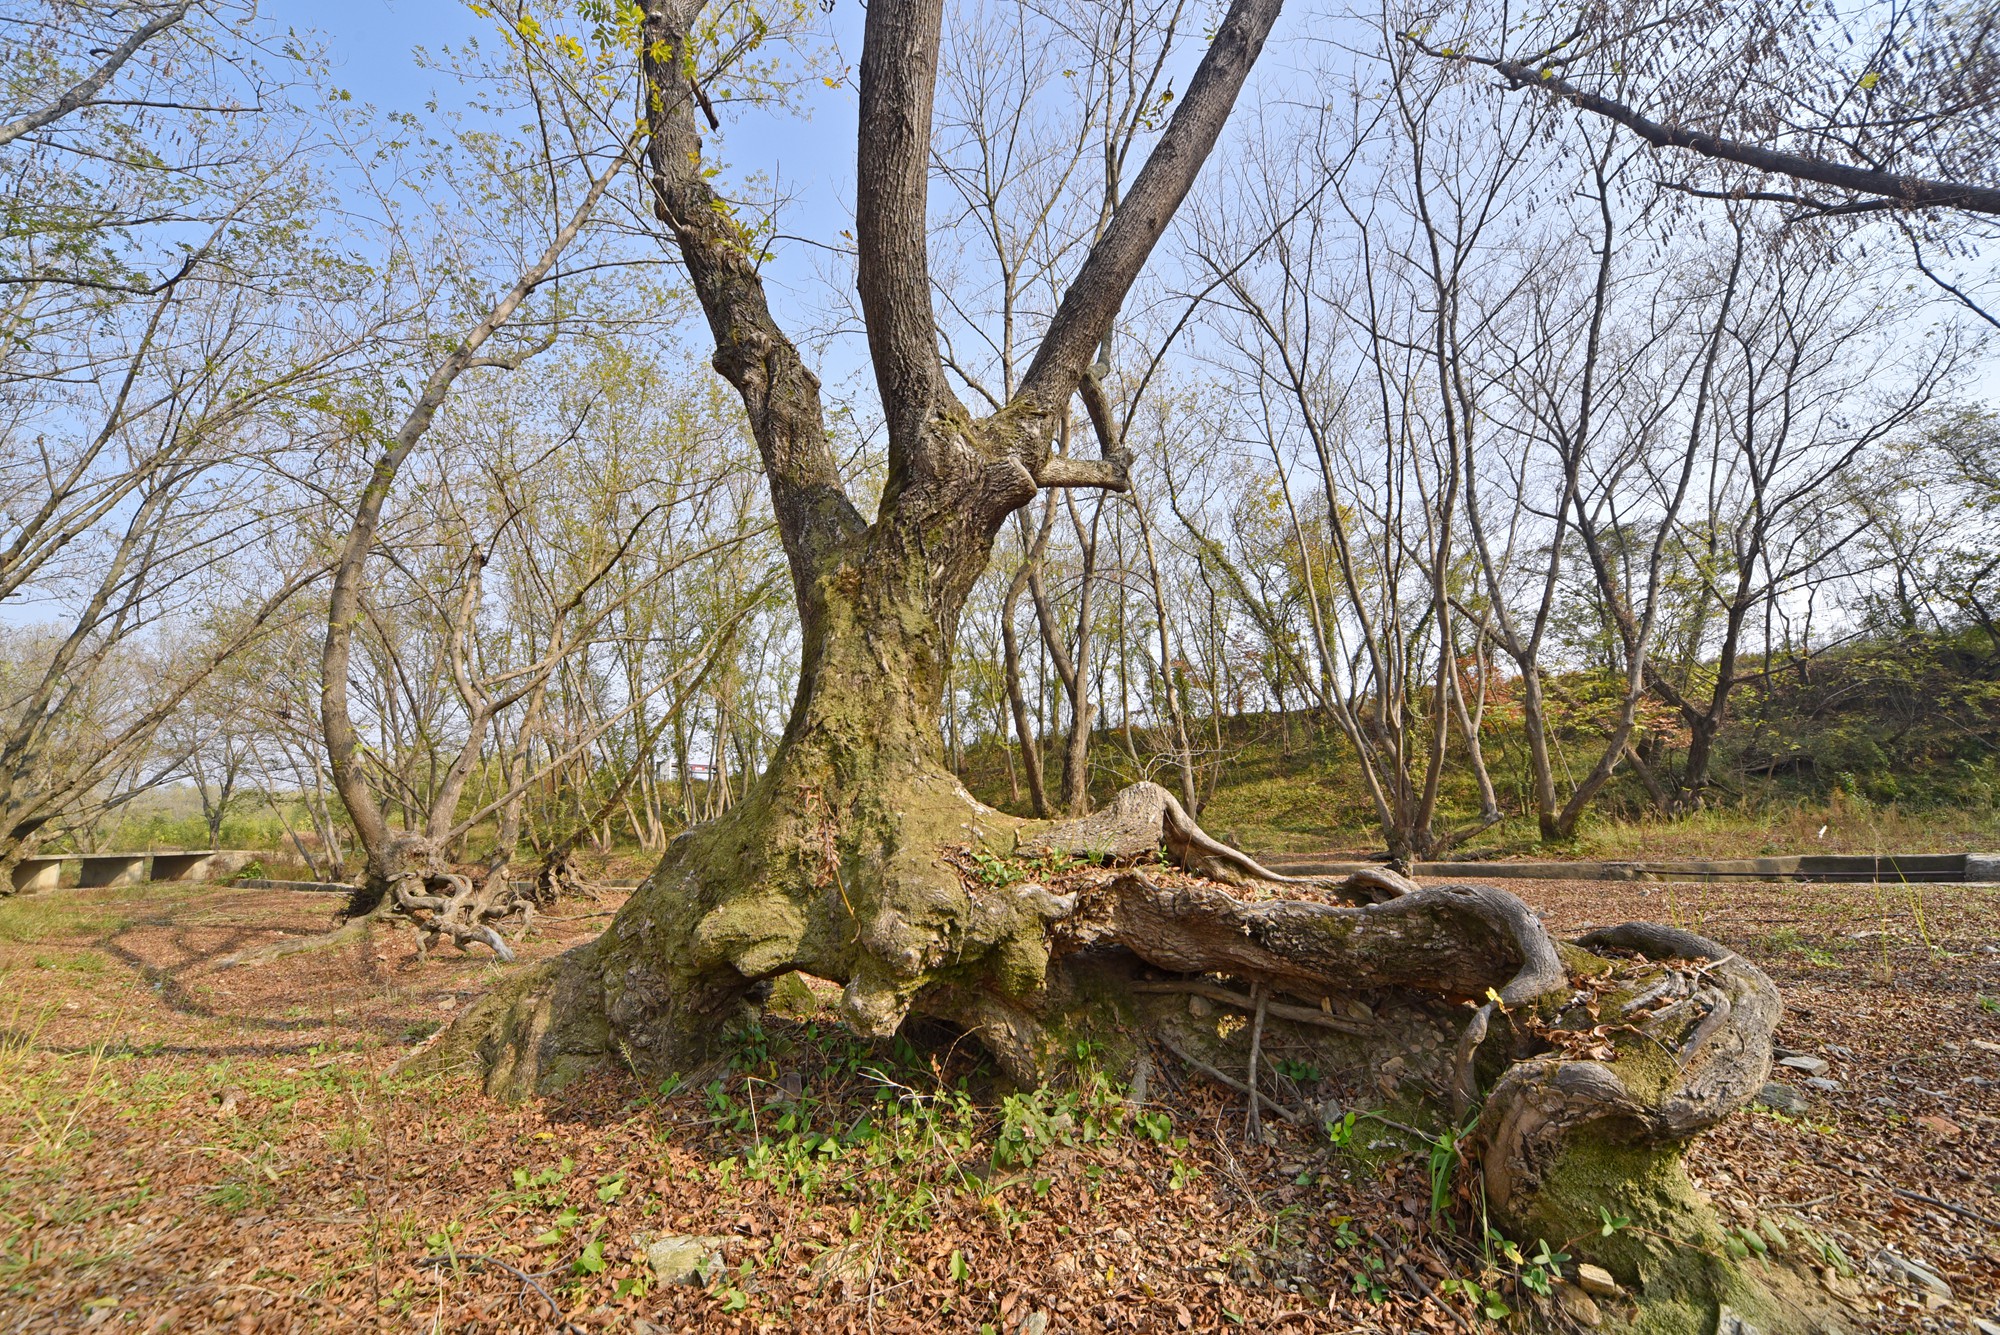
{"x": 836, "y": 864}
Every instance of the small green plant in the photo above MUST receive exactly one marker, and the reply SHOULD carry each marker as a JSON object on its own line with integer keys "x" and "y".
{"x": 1303, "y": 1072}
{"x": 565, "y": 1220}
{"x": 1341, "y": 1130}
{"x": 1744, "y": 1241}
{"x": 591, "y": 1261}
{"x": 1370, "y": 1279}
{"x": 1487, "y": 1301}
{"x": 1543, "y": 1268}
{"x": 752, "y": 1047}
{"x": 1991, "y": 1005}
{"x": 535, "y": 1190}
{"x": 1536, "y": 1272}
{"x": 998, "y": 870}
{"x": 1444, "y": 1160}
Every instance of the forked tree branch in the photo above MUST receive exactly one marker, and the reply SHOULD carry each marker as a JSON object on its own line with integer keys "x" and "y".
{"x": 815, "y": 517}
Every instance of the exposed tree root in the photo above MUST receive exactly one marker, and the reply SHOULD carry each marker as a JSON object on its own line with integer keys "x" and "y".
{"x": 1597, "y": 1060}
{"x": 1145, "y": 816}
{"x": 348, "y": 933}
{"x": 414, "y": 882}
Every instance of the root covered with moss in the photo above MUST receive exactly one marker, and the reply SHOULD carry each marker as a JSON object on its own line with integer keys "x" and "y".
{"x": 1572, "y": 1074}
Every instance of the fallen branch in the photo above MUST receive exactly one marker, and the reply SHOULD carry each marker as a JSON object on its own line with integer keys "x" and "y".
{"x": 1253, "y": 1125}
{"x": 1973, "y": 1215}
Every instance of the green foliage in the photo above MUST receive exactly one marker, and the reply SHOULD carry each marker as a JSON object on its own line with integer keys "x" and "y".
{"x": 1370, "y": 1278}
{"x": 998, "y": 870}
{"x": 1486, "y": 1301}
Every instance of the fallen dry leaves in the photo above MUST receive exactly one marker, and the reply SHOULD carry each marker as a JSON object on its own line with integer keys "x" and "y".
{"x": 201, "y": 1149}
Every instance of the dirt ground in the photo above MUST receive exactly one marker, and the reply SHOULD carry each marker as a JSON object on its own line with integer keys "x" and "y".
{"x": 189, "y": 1146}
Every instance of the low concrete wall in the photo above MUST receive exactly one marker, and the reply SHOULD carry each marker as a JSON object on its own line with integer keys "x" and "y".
{"x": 1894, "y": 869}
{"x": 328, "y": 887}
{"x": 35, "y": 874}
{"x": 97, "y": 870}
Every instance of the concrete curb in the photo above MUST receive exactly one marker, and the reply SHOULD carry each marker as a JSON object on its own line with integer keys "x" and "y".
{"x": 1894, "y": 869}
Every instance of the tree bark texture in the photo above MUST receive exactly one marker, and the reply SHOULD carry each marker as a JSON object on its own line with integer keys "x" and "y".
{"x": 838, "y": 860}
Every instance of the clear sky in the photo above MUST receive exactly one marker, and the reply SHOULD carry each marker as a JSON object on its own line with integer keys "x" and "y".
{"x": 372, "y": 45}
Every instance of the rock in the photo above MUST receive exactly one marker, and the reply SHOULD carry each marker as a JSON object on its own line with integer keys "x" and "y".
{"x": 685, "y": 1258}
{"x": 1810, "y": 1065}
{"x": 1823, "y": 1085}
{"x": 1985, "y": 1327}
{"x": 1597, "y": 1282}
{"x": 1200, "y": 1007}
{"x": 791, "y": 995}
{"x": 1914, "y": 1274}
{"x": 1036, "y": 1323}
{"x": 1728, "y": 1323}
{"x": 1578, "y": 1306}
{"x": 1122, "y": 1235}
{"x": 1783, "y": 1098}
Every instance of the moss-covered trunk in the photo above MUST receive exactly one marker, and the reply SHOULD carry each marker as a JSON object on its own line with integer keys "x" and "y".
{"x": 831, "y": 866}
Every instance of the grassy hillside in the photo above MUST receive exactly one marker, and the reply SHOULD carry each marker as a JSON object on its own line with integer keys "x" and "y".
{"x": 1887, "y": 745}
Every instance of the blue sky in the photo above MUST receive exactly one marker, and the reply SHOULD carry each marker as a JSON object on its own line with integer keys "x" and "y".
{"x": 372, "y": 44}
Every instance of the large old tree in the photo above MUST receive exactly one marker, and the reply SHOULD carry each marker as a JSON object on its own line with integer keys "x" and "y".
{"x": 1589, "y": 1065}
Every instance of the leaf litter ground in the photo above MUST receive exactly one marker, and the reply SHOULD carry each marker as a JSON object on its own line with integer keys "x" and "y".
{"x": 195, "y": 1147}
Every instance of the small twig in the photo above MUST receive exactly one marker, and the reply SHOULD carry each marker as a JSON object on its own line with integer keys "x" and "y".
{"x": 1395, "y": 1125}
{"x": 1253, "y": 1125}
{"x": 1465, "y": 1079}
{"x": 562, "y": 1322}
{"x": 1284, "y": 1011}
{"x": 1973, "y": 1215}
{"x": 1415, "y": 1277}
{"x": 1229, "y": 1081}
